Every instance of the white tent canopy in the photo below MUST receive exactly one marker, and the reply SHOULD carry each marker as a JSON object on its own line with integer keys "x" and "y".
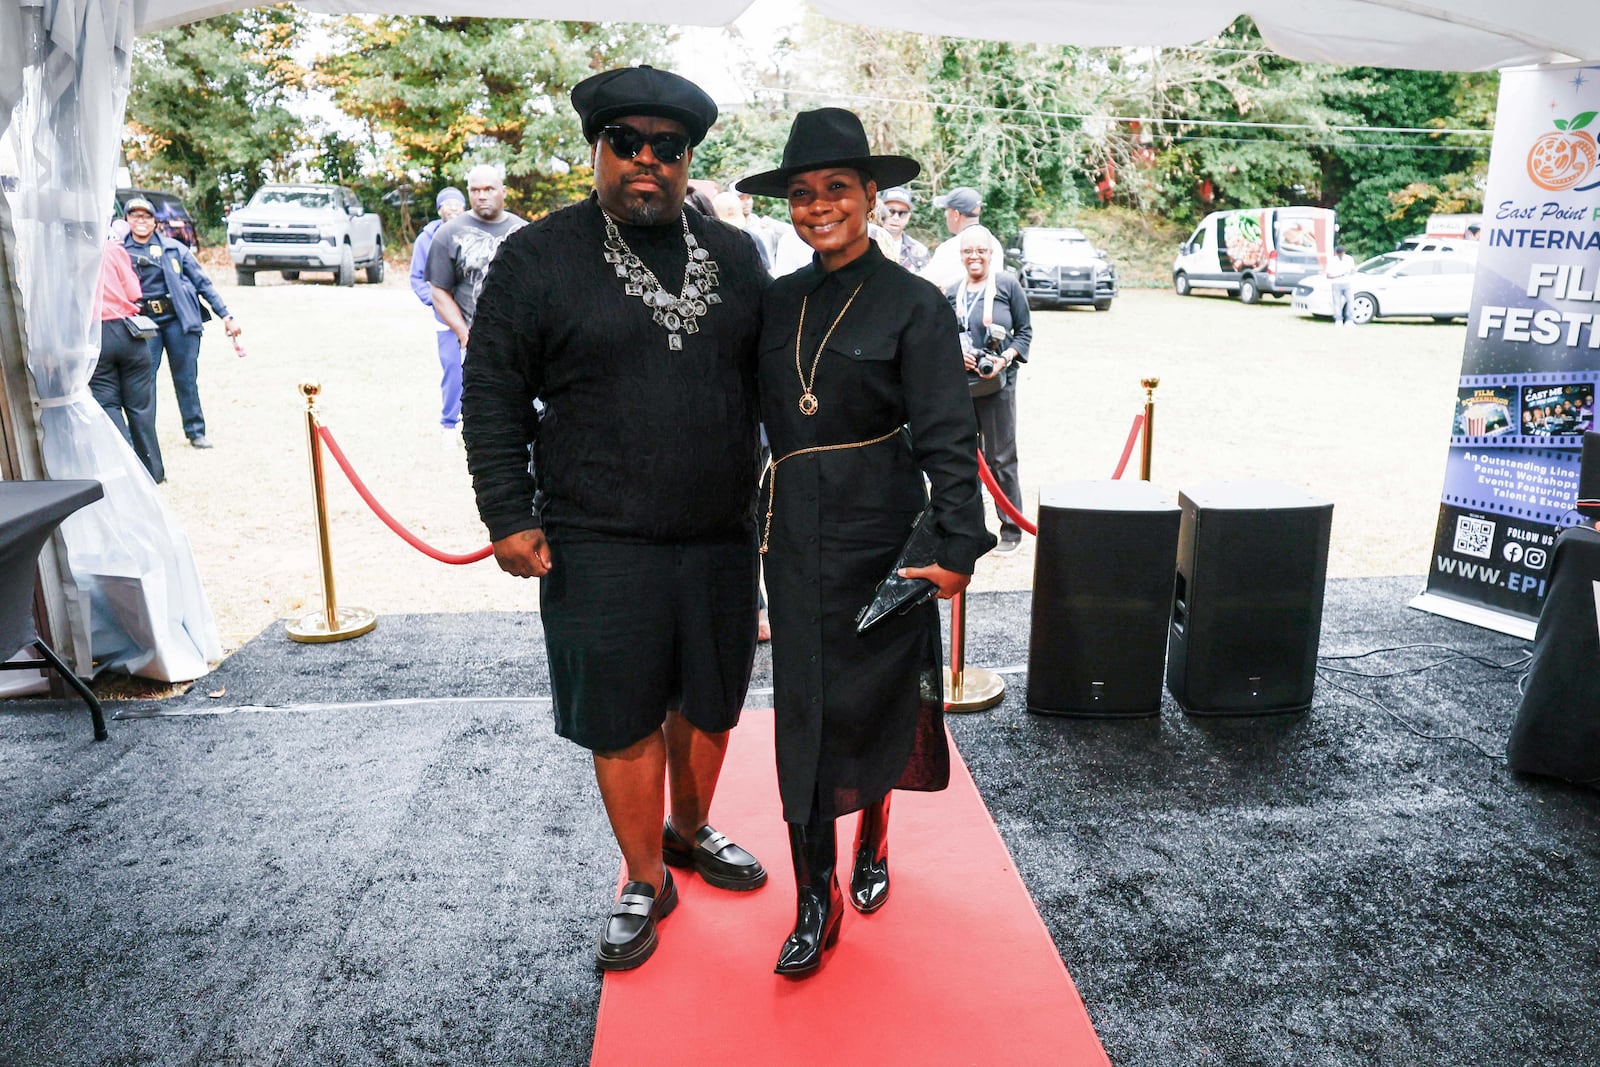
{"x": 1454, "y": 35}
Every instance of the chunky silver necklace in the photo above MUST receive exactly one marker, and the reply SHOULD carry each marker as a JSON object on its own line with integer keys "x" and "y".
{"x": 681, "y": 312}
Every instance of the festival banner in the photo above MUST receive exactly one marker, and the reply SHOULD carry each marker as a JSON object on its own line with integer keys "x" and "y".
{"x": 1532, "y": 357}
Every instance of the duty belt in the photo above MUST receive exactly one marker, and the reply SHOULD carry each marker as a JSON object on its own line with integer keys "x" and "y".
{"x": 157, "y": 306}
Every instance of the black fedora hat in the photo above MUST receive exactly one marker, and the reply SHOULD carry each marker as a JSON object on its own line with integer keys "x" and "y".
{"x": 824, "y": 138}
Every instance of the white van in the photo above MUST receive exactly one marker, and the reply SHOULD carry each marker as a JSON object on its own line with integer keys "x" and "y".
{"x": 1251, "y": 251}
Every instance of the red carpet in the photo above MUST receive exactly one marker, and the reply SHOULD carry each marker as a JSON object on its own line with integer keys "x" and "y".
{"x": 957, "y": 968}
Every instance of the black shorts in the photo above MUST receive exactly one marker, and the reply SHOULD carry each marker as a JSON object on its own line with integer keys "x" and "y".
{"x": 636, "y": 630}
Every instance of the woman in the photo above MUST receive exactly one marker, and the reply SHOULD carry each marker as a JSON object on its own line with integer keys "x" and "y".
{"x": 123, "y": 382}
{"x": 854, "y": 350}
{"x": 993, "y": 312}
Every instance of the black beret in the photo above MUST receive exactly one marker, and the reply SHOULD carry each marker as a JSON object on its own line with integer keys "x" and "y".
{"x": 642, "y": 90}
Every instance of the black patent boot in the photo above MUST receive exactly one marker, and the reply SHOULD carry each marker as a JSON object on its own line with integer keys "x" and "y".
{"x": 819, "y": 906}
{"x": 869, "y": 880}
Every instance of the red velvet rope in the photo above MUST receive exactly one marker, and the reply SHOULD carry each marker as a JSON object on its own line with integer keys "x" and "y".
{"x": 388, "y": 520}
{"x": 417, "y": 543}
{"x": 1127, "y": 449}
{"x": 1000, "y": 500}
{"x": 1018, "y": 517}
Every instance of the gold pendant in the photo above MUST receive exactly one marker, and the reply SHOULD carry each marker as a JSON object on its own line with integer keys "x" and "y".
{"x": 808, "y": 403}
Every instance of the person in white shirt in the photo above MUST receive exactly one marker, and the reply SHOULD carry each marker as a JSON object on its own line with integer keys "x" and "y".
{"x": 962, "y": 206}
{"x": 1341, "y": 271}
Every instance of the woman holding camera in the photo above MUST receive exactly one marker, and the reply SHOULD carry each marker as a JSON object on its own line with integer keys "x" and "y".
{"x": 854, "y": 350}
{"x": 996, "y": 330}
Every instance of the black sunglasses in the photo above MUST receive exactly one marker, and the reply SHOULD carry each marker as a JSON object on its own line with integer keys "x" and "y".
{"x": 628, "y": 142}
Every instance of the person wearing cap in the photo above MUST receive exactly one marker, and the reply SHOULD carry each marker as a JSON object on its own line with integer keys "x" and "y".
{"x": 173, "y": 285}
{"x": 463, "y": 248}
{"x": 961, "y": 206}
{"x": 635, "y": 323}
{"x": 862, "y": 395}
{"x": 894, "y": 212}
{"x": 449, "y": 203}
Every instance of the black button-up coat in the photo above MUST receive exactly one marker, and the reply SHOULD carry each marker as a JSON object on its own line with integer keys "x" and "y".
{"x": 860, "y": 714}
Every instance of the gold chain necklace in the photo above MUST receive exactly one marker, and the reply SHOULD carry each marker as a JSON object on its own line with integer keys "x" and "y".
{"x": 808, "y": 399}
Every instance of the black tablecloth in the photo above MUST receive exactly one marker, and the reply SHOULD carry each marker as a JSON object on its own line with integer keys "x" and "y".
{"x": 1557, "y": 731}
{"x": 29, "y": 514}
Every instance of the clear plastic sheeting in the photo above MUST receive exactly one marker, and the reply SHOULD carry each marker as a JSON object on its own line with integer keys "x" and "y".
{"x": 148, "y": 611}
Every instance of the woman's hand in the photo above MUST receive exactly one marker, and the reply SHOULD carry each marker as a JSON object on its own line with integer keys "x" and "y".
{"x": 230, "y": 327}
{"x": 970, "y": 358}
{"x": 949, "y": 582}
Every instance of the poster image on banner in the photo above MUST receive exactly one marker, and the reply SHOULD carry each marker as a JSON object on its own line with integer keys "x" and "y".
{"x": 1531, "y": 362}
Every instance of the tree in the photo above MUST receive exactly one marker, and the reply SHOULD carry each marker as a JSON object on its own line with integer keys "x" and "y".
{"x": 208, "y": 108}
{"x": 442, "y": 94}
{"x": 1384, "y": 190}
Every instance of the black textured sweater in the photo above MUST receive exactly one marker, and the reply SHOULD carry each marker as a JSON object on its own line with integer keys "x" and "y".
{"x": 637, "y": 441}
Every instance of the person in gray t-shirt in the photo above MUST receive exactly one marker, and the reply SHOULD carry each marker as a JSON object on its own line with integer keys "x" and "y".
{"x": 465, "y": 246}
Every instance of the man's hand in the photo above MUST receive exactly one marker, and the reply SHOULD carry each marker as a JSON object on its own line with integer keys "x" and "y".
{"x": 525, "y": 554}
{"x": 230, "y": 327}
{"x": 949, "y": 582}
{"x": 449, "y": 312}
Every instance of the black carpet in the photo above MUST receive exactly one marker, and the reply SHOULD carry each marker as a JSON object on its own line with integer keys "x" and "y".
{"x": 376, "y": 852}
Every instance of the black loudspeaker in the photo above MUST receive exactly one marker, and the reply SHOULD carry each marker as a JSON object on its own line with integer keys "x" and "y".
{"x": 1102, "y": 588}
{"x": 1247, "y": 604}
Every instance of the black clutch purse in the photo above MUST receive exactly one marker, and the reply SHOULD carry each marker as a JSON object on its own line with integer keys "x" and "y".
{"x": 896, "y": 594}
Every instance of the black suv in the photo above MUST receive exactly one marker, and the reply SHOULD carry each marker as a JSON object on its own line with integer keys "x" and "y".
{"x": 172, "y": 218}
{"x": 1059, "y": 266}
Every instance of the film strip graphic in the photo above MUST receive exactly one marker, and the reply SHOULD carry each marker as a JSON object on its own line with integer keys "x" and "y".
{"x": 1549, "y": 410}
{"x": 1532, "y": 485}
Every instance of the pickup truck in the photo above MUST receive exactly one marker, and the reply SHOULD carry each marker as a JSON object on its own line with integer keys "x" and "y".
{"x": 296, "y": 228}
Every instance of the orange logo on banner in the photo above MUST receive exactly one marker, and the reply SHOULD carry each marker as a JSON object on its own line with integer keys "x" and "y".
{"x": 1565, "y": 156}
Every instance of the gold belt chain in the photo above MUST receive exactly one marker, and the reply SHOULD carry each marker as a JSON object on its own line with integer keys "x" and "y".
{"x": 772, "y": 473}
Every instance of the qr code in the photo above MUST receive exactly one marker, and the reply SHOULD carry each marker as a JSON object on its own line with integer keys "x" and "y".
{"x": 1474, "y": 537}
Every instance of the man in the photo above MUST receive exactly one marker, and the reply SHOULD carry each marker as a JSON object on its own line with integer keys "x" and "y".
{"x": 766, "y": 230}
{"x": 463, "y": 248}
{"x": 962, "y": 206}
{"x": 1341, "y": 271}
{"x": 894, "y": 212}
{"x": 172, "y": 284}
{"x": 636, "y": 324}
{"x": 730, "y": 210}
{"x": 449, "y": 203}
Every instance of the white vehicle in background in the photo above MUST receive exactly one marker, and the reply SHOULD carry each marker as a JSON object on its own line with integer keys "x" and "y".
{"x": 296, "y": 228}
{"x": 1251, "y": 251}
{"x": 1436, "y": 285}
{"x": 1427, "y": 242}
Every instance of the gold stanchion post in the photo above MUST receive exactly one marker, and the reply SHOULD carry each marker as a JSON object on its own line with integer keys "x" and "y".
{"x": 1149, "y": 425}
{"x": 967, "y": 688}
{"x": 332, "y": 623}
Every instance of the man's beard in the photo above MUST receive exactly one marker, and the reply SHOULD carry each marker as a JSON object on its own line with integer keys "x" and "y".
{"x": 647, "y": 213}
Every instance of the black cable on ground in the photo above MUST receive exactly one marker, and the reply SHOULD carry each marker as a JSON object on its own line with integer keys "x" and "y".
{"x": 1455, "y": 656}
{"x": 1403, "y": 721}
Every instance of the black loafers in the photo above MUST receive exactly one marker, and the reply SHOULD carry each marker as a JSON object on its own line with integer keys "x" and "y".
{"x": 630, "y": 934}
{"x": 719, "y": 861}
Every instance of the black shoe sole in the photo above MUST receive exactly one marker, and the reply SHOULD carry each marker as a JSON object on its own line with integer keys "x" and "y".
{"x": 734, "y": 883}
{"x": 632, "y": 959}
{"x": 813, "y": 965}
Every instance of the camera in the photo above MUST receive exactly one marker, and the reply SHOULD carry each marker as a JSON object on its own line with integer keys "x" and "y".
{"x": 993, "y": 343}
